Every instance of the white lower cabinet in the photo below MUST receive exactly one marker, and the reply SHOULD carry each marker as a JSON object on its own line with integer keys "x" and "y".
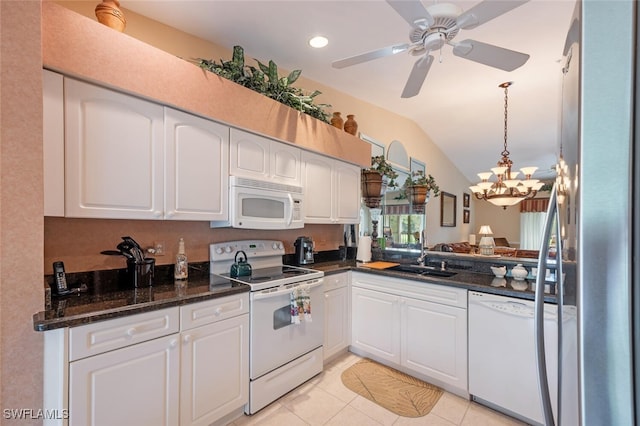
{"x": 214, "y": 373}
{"x": 176, "y": 366}
{"x": 418, "y": 327}
{"x": 136, "y": 385}
{"x": 337, "y": 314}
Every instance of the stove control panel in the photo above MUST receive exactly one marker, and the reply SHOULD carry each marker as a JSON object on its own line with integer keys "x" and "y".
{"x": 252, "y": 248}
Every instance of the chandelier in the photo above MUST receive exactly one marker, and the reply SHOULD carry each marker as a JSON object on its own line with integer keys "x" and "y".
{"x": 506, "y": 189}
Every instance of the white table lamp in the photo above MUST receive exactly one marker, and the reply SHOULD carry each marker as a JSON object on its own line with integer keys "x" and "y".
{"x": 487, "y": 244}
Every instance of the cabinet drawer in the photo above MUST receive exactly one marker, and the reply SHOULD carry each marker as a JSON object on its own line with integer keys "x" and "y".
{"x": 331, "y": 282}
{"x": 201, "y": 313}
{"x": 93, "y": 339}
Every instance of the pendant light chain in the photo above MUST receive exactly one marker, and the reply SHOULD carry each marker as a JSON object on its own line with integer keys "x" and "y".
{"x": 505, "y": 153}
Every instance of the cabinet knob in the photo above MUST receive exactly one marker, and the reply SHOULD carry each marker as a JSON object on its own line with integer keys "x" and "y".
{"x": 131, "y": 331}
{"x": 157, "y": 213}
{"x": 217, "y": 312}
{"x": 173, "y": 343}
{"x": 171, "y": 214}
{"x": 186, "y": 338}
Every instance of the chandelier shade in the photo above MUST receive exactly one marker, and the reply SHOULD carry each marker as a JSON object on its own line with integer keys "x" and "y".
{"x": 501, "y": 185}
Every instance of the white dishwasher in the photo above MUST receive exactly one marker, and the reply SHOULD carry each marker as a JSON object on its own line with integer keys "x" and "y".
{"x": 502, "y": 356}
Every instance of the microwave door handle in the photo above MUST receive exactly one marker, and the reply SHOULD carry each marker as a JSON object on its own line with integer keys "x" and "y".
{"x": 290, "y": 209}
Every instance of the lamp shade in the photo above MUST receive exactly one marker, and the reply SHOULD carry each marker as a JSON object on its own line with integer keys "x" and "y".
{"x": 485, "y": 230}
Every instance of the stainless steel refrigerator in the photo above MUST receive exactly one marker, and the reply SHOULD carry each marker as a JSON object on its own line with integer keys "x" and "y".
{"x": 596, "y": 221}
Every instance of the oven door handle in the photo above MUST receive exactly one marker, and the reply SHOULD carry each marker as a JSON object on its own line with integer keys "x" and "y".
{"x": 266, "y": 294}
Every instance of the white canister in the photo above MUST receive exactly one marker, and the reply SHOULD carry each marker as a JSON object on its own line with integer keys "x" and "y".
{"x": 364, "y": 249}
{"x": 519, "y": 272}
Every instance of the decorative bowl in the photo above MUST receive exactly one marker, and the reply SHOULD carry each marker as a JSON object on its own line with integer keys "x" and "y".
{"x": 499, "y": 271}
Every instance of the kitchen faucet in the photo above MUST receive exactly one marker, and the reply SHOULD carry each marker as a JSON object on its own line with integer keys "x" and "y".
{"x": 422, "y": 253}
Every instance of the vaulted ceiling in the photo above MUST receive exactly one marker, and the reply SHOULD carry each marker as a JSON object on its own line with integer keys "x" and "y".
{"x": 459, "y": 106}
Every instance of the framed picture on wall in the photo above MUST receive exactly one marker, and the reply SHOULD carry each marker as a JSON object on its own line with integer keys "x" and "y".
{"x": 466, "y": 199}
{"x": 466, "y": 215}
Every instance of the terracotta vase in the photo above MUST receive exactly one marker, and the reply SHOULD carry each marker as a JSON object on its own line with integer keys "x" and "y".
{"x": 419, "y": 197}
{"x": 351, "y": 126}
{"x": 337, "y": 121}
{"x": 108, "y": 13}
{"x": 371, "y": 185}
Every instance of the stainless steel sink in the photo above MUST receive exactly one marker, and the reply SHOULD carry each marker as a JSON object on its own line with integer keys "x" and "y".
{"x": 422, "y": 270}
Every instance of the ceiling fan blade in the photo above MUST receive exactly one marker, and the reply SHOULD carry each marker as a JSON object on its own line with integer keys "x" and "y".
{"x": 412, "y": 11}
{"x": 488, "y": 54}
{"x": 486, "y": 11}
{"x": 418, "y": 75}
{"x": 368, "y": 56}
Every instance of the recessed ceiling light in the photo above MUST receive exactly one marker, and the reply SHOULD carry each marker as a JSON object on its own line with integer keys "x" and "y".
{"x": 318, "y": 42}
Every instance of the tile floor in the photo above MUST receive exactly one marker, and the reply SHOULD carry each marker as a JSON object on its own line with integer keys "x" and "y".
{"x": 324, "y": 400}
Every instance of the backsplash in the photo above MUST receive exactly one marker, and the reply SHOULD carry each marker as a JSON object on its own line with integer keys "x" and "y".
{"x": 78, "y": 242}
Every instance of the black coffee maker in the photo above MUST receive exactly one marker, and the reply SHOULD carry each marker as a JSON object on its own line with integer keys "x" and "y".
{"x": 304, "y": 250}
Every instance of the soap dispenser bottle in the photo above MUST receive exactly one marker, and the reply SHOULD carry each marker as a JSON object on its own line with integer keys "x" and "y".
{"x": 181, "y": 272}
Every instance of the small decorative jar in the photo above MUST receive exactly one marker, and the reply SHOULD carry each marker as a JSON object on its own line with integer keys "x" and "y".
{"x": 519, "y": 272}
{"x": 337, "y": 121}
{"x": 351, "y": 126}
{"x": 109, "y": 13}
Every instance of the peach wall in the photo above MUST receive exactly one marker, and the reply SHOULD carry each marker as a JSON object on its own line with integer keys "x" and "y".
{"x": 21, "y": 206}
{"x": 77, "y": 46}
{"x": 78, "y": 242}
{"x": 378, "y": 123}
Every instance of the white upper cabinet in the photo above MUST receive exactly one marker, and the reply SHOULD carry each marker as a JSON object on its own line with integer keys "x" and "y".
{"x": 257, "y": 157}
{"x": 113, "y": 154}
{"x": 127, "y": 158}
{"x": 53, "y": 142}
{"x": 196, "y": 167}
{"x": 332, "y": 190}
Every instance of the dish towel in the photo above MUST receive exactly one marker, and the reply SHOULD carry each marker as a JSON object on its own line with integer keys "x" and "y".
{"x": 300, "y": 305}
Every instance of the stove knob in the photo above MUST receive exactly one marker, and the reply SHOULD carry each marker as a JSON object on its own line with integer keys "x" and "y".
{"x": 219, "y": 250}
{"x": 274, "y": 246}
{"x": 280, "y": 246}
{"x": 227, "y": 249}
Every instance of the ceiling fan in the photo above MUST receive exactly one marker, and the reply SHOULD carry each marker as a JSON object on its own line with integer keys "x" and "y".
{"x": 433, "y": 27}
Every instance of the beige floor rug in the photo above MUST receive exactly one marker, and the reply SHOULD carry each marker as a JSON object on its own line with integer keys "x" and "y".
{"x": 397, "y": 392}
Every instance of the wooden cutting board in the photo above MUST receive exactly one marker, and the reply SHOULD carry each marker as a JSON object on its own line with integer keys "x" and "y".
{"x": 379, "y": 265}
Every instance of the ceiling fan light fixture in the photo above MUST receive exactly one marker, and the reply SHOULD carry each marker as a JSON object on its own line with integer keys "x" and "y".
{"x": 507, "y": 190}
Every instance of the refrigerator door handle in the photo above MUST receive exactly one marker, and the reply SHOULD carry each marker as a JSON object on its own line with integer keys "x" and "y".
{"x": 538, "y": 309}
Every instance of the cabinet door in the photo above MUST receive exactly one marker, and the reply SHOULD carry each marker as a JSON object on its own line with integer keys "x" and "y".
{"x": 53, "y": 142}
{"x": 347, "y": 192}
{"x": 196, "y": 167}
{"x": 137, "y": 385}
{"x": 285, "y": 163}
{"x": 114, "y": 154}
{"x": 375, "y": 323}
{"x": 434, "y": 341}
{"x": 215, "y": 370}
{"x": 318, "y": 188}
{"x": 249, "y": 155}
{"x": 336, "y": 321}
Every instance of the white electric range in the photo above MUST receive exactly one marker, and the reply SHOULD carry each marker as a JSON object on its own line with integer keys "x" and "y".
{"x": 284, "y": 351}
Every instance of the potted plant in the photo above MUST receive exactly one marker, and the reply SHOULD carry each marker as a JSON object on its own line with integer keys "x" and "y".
{"x": 418, "y": 187}
{"x": 265, "y": 80}
{"x": 376, "y": 179}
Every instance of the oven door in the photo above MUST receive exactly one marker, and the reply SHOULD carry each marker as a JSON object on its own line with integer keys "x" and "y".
{"x": 257, "y": 208}
{"x": 274, "y": 339}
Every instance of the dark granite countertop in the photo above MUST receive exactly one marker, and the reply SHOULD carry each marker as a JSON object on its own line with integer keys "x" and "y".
{"x": 107, "y": 298}
{"x": 470, "y": 280}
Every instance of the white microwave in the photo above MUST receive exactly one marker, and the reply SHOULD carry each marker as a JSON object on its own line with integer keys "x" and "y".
{"x": 256, "y": 204}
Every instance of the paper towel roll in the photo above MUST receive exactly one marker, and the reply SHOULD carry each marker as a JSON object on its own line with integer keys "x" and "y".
{"x": 364, "y": 249}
